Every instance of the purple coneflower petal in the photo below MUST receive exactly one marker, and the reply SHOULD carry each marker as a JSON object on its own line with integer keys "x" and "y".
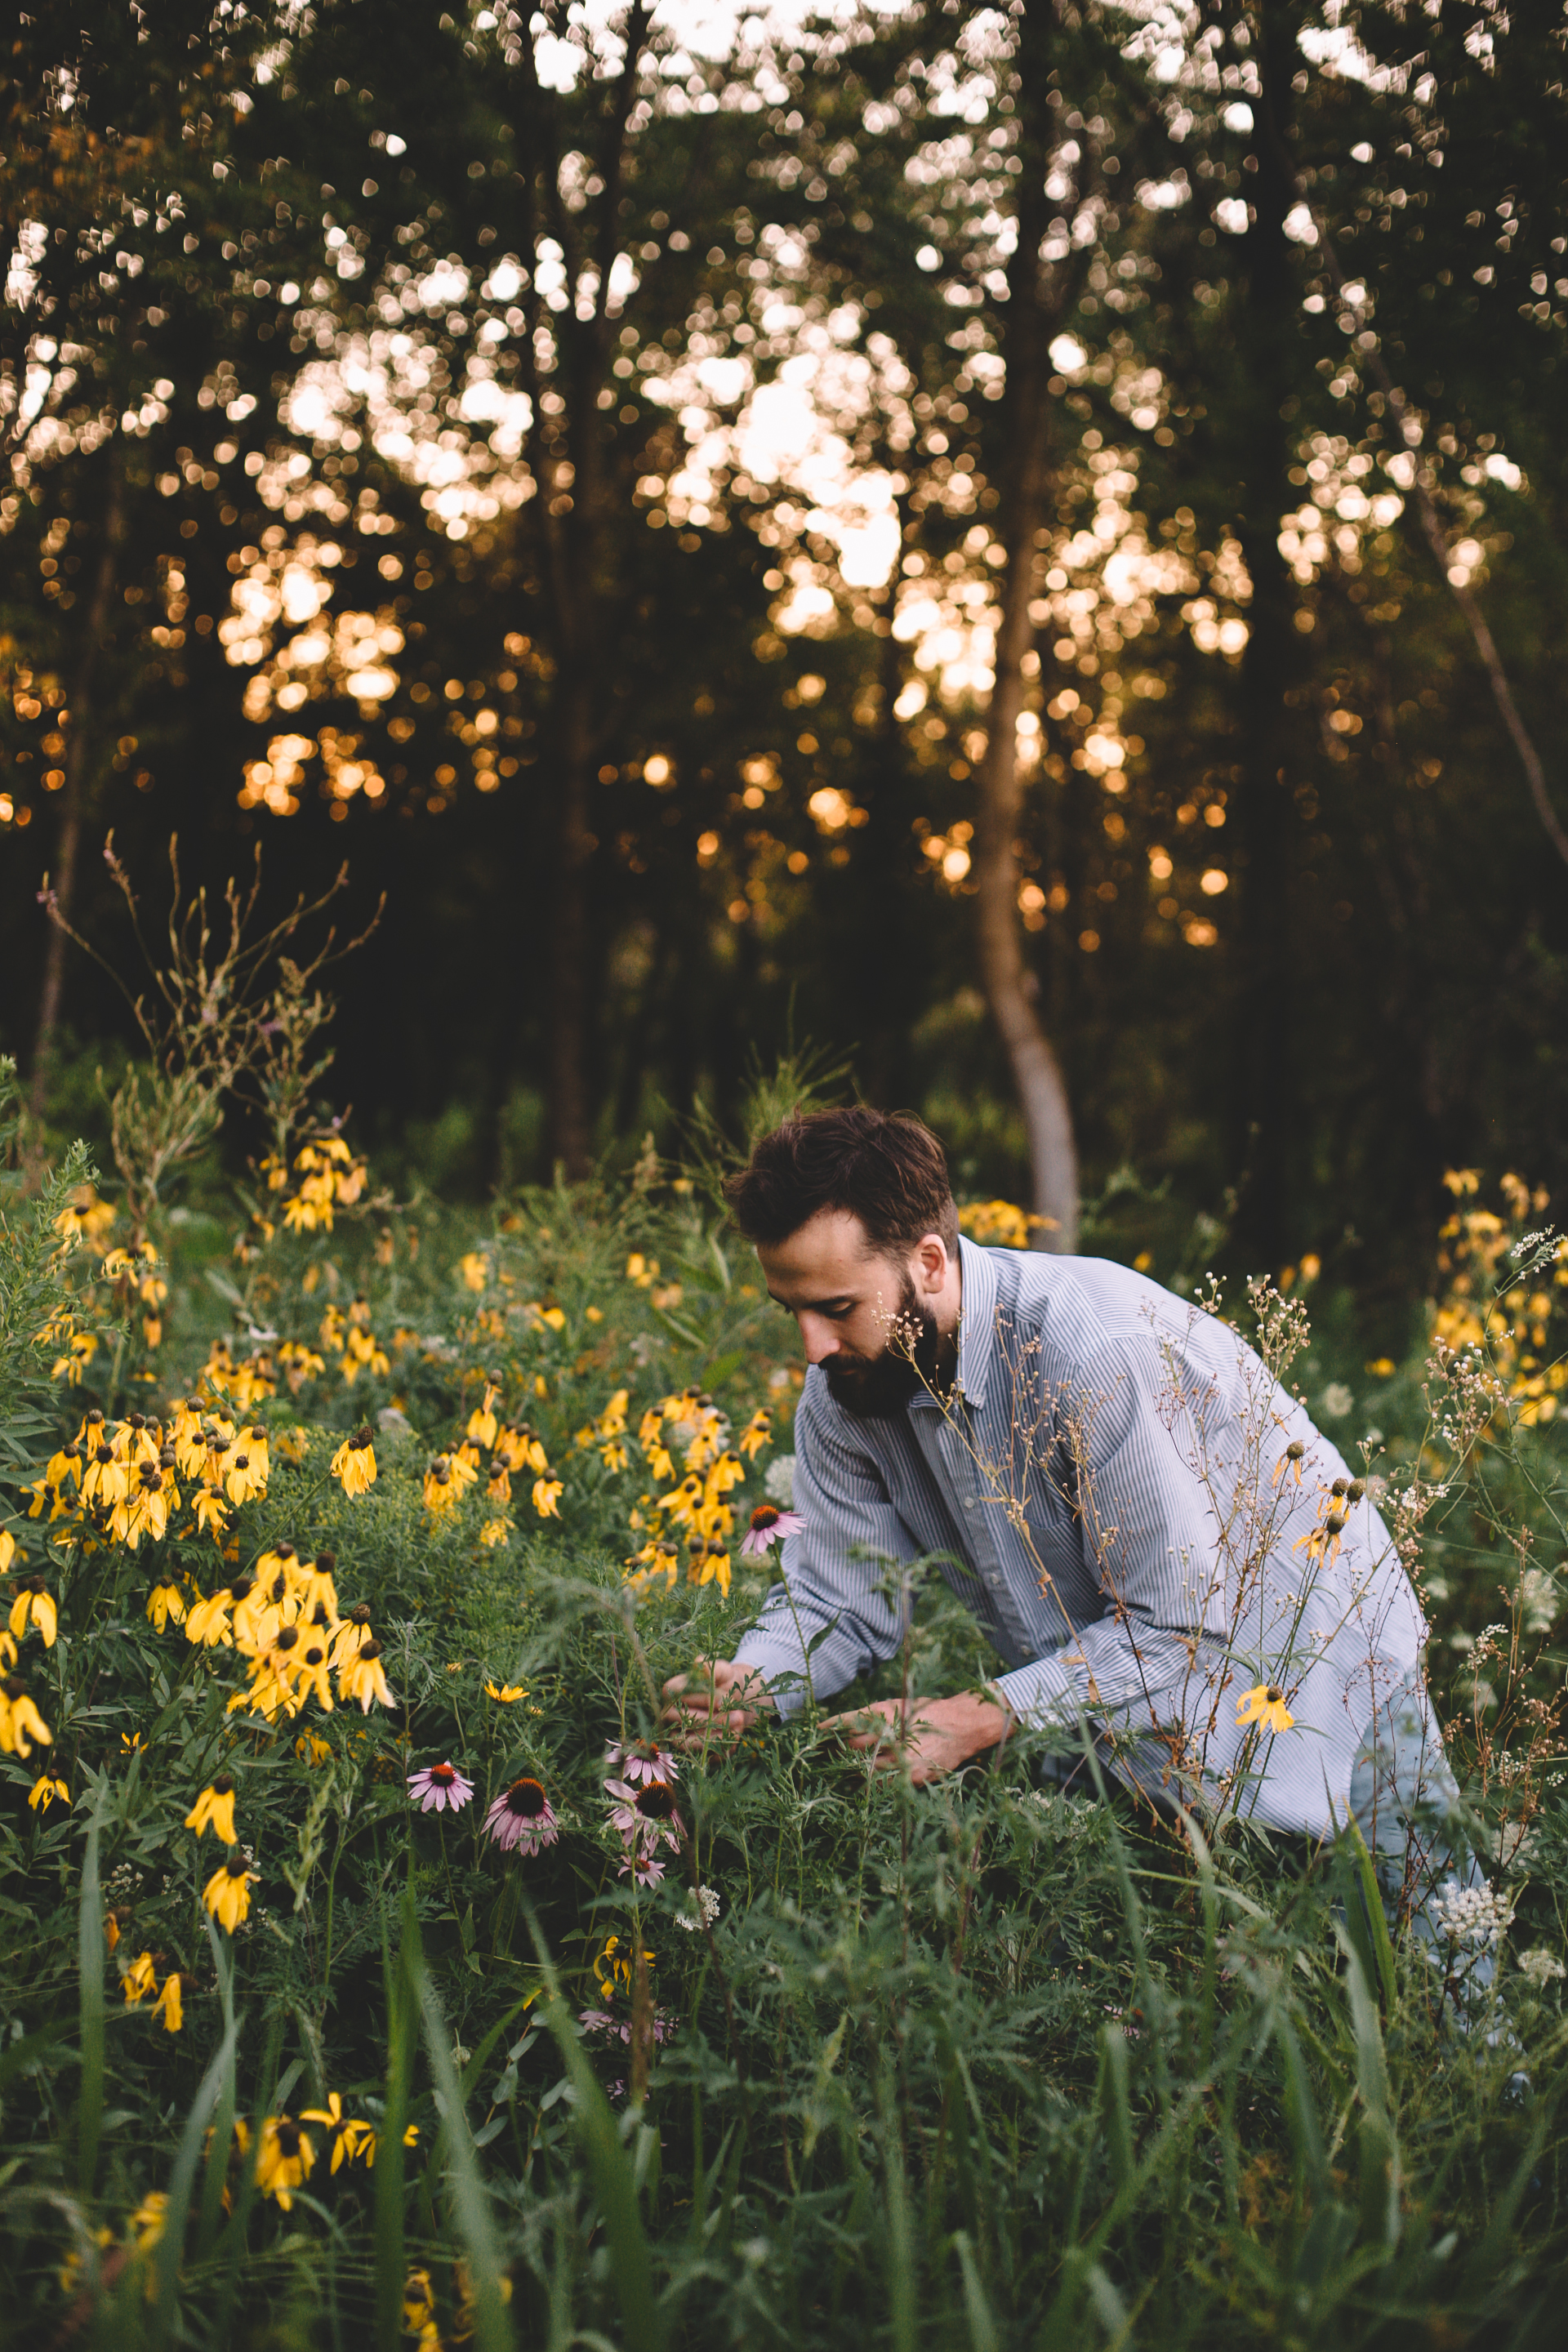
{"x": 440, "y": 1787}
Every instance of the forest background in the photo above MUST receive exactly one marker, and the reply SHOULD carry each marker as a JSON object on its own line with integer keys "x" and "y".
{"x": 1024, "y": 545}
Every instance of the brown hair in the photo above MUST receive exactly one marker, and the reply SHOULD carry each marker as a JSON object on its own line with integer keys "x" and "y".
{"x": 885, "y": 1168}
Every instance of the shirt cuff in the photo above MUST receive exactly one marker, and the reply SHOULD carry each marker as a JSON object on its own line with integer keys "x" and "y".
{"x": 1041, "y": 1694}
{"x": 780, "y": 1665}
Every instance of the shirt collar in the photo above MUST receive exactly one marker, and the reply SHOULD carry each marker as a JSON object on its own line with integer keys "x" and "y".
{"x": 977, "y": 1321}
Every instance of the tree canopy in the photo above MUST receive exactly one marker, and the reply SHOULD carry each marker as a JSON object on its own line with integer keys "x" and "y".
{"x": 1024, "y": 544}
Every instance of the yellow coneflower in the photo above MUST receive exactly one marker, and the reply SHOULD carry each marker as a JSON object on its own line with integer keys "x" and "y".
{"x": 349, "y": 2132}
{"x": 355, "y": 1462}
{"x": 48, "y": 1790}
{"x": 364, "y": 1679}
{"x": 212, "y": 1511}
{"x": 496, "y": 1531}
{"x": 506, "y": 1693}
{"x": 283, "y": 2159}
{"x": 251, "y": 1603}
{"x": 168, "y": 2003}
{"x": 228, "y": 1892}
{"x": 481, "y": 1429}
{"x": 148, "y": 2220}
{"x": 207, "y": 1623}
{"x": 7, "y": 1548}
{"x": 318, "y": 1587}
{"x": 1264, "y": 1705}
{"x": 350, "y": 1637}
{"x": 418, "y": 2293}
{"x": 758, "y": 1433}
{"x": 20, "y": 1723}
{"x": 547, "y": 1493}
{"x": 139, "y": 1978}
{"x": 214, "y": 1809}
{"x": 34, "y": 1605}
{"x": 165, "y": 1602}
{"x": 441, "y": 1489}
{"x": 311, "y": 1674}
{"x": 373, "y": 2143}
{"x": 245, "y": 1477}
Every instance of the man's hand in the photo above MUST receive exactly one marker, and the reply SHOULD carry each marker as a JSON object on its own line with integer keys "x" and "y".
{"x": 715, "y": 1703}
{"x": 936, "y": 1736}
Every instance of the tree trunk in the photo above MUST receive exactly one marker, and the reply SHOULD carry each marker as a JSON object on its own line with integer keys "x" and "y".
{"x": 1264, "y": 1083}
{"x": 569, "y": 1117}
{"x": 74, "y": 792}
{"x": 1024, "y": 325}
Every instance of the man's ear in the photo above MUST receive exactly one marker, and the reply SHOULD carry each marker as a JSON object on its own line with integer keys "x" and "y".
{"x": 932, "y": 1261}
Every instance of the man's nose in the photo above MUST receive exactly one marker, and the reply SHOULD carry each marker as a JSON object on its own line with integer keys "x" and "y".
{"x": 817, "y": 1336}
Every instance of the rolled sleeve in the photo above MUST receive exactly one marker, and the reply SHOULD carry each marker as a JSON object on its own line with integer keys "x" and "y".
{"x": 833, "y": 1615}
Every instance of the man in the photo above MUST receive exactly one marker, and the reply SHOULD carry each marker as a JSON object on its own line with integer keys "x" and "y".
{"x": 1166, "y": 1553}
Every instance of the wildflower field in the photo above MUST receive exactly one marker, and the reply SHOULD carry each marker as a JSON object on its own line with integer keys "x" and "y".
{"x": 374, "y": 1974}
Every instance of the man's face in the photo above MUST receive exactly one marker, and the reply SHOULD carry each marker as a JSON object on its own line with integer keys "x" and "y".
{"x": 868, "y": 1321}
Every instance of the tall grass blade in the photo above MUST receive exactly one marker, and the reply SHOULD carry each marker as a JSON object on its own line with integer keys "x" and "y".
{"x": 400, "y": 2042}
{"x": 1116, "y": 2106}
{"x": 227, "y": 2100}
{"x": 977, "y": 2312}
{"x": 470, "y": 2208}
{"x": 90, "y": 1957}
{"x": 631, "y": 2262}
{"x": 1376, "y": 1917}
{"x": 898, "y": 2242}
{"x": 1380, "y": 2196}
{"x": 171, "y": 2245}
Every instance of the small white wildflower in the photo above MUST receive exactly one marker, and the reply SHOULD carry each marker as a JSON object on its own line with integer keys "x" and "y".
{"x": 1472, "y": 1915}
{"x": 1538, "y": 1601}
{"x": 706, "y": 1909}
{"x": 1338, "y": 1400}
{"x": 1517, "y": 1845}
{"x": 1542, "y": 1966}
{"x": 779, "y": 1484}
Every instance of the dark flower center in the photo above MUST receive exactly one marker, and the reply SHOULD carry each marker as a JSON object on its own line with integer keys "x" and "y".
{"x": 235, "y": 1864}
{"x": 370, "y": 1650}
{"x": 445, "y": 1773}
{"x": 1274, "y": 1695}
{"x": 764, "y": 1515}
{"x": 242, "y": 1588}
{"x": 526, "y": 1799}
{"x": 359, "y": 1614}
{"x": 313, "y": 1656}
{"x": 283, "y": 1551}
{"x": 289, "y": 2140}
{"x": 288, "y": 1636}
{"x": 325, "y": 1562}
{"x": 656, "y": 1801}
{"x": 223, "y": 1784}
{"x": 362, "y": 1439}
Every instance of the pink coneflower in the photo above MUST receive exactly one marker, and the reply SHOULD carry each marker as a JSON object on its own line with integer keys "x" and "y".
{"x": 521, "y": 1819}
{"x": 644, "y": 1818}
{"x": 769, "y": 1526}
{"x": 640, "y": 1759}
{"x": 439, "y": 1789}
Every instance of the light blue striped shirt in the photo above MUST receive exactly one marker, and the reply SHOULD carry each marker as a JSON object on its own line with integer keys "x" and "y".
{"x": 1107, "y": 1489}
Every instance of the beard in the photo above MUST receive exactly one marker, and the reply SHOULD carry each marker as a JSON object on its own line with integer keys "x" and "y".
{"x": 875, "y": 1387}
